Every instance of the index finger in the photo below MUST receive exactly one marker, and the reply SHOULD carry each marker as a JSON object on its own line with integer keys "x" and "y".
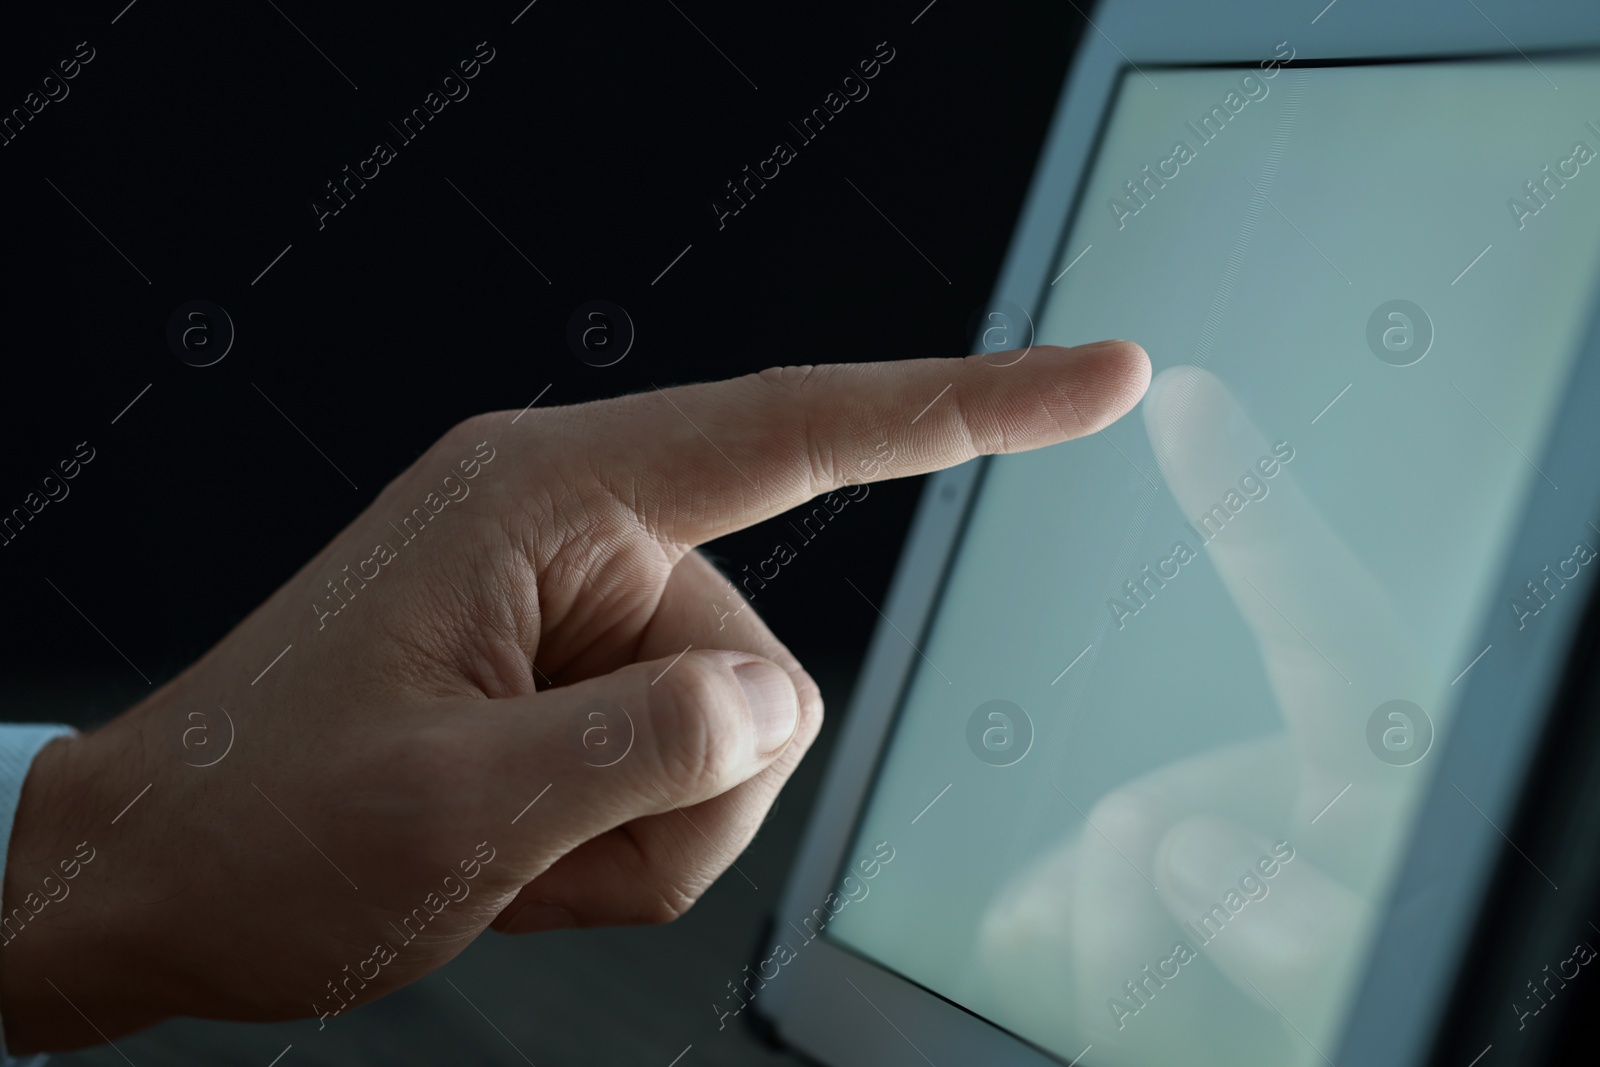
{"x": 725, "y": 455}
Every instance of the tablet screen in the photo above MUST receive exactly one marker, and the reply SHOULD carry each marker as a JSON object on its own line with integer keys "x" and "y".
{"x": 1187, "y": 679}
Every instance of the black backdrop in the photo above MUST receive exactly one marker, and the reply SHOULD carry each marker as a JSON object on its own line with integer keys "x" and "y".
{"x": 187, "y": 154}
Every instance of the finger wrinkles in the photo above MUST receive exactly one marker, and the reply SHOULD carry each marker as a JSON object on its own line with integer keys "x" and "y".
{"x": 795, "y": 383}
{"x": 662, "y": 897}
{"x": 792, "y": 377}
{"x": 698, "y": 736}
{"x": 977, "y": 443}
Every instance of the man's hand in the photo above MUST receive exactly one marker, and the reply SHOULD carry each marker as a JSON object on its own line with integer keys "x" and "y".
{"x": 400, "y": 747}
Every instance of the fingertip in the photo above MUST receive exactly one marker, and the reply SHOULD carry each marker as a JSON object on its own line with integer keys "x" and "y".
{"x": 1109, "y": 377}
{"x": 812, "y": 707}
{"x": 1128, "y": 354}
{"x": 1134, "y": 364}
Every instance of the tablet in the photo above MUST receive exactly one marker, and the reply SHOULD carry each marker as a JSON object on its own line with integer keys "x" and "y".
{"x": 1192, "y": 741}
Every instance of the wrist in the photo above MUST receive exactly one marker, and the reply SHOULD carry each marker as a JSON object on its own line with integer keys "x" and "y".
{"x": 69, "y": 962}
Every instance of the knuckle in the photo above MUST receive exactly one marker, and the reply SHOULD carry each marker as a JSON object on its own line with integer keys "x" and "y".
{"x": 791, "y": 378}
{"x": 669, "y": 903}
{"x": 697, "y": 736}
{"x": 790, "y": 384}
{"x": 978, "y": 442}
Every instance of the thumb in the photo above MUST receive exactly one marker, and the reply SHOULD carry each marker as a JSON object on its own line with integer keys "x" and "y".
{"x": 640, "y": 741}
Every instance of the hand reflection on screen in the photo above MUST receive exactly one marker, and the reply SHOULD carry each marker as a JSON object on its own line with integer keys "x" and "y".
{"x": 1085, "y": 944}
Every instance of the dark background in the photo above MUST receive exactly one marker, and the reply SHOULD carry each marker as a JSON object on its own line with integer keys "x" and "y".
{"x": 594, "y": 142}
